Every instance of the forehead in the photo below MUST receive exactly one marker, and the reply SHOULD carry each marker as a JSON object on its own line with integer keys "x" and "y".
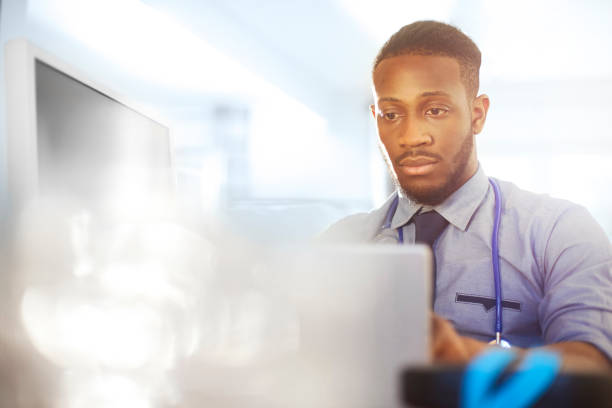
{"x": 405, "y": 76}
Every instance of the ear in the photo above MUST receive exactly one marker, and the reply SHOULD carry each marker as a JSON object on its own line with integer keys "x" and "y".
{"x": 373, "y": 110}
{"x": 480, "y": 107}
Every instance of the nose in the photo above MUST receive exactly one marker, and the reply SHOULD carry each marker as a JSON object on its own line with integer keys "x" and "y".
{"x": 413, "y": 134}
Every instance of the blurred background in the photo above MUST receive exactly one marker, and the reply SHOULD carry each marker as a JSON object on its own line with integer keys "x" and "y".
{"x": 267, "y": 101}
{"x": 272, "y": 140}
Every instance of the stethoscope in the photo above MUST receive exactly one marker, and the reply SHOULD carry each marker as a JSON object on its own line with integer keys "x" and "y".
{"x": 494, "y": 256}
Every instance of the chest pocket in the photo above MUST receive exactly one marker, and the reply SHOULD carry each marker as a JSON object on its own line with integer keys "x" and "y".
{"x": 465, "y": 294}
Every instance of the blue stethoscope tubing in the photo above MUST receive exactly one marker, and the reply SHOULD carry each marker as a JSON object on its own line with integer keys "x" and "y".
{"x": 494, "y": 254}
{"x": 495, "y": 261}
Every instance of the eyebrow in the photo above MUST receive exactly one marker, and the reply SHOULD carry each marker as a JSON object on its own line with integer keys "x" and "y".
{"x": 422, "y": 95}
{"x": 434, "y": 93}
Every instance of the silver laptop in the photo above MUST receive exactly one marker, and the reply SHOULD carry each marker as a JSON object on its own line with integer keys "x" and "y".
{"x": 314, "y": 327}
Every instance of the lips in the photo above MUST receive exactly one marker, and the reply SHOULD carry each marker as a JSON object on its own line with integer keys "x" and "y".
{"x": 417, "y": 166}
{"x": 417, "y": 161}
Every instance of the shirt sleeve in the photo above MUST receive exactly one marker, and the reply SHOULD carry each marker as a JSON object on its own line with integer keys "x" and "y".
{"x": 577, "y": 265}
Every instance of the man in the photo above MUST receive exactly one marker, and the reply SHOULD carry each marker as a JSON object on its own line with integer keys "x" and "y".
{"x": 555, "y": 261}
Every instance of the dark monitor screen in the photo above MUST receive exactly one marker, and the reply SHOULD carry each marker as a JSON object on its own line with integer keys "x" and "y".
{"x": 90, "y": 145}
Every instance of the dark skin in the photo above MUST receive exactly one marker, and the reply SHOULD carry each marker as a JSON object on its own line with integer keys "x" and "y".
{"x": 427, "y": 125}
{"x": 427, "y": 120}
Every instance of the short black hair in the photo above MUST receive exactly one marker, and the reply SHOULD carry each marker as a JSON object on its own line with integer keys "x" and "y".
{"x": 438, "y": 39}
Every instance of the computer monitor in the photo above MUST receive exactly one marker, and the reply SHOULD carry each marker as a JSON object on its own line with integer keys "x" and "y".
{"x": 68, "y": 136}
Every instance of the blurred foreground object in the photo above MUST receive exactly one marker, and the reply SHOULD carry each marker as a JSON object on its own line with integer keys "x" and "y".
{"x": 149, "y": 314}
{"x": 493, "y": 380}
{"x": 110, "y": 303}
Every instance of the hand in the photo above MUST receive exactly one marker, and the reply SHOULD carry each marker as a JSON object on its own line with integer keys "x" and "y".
{"x": 448, "y": 346}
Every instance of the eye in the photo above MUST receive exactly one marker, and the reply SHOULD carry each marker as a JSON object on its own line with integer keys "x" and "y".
{"x": 436, "y": 111}
{"x": 390, "y": 116}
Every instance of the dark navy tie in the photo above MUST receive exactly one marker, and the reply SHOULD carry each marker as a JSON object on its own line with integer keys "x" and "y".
{"x": 428, "y": 227}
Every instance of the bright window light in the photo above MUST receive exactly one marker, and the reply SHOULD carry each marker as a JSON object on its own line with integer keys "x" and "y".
{"x": 383, "y": 18}
{"x": 543, "y": 48}
{"x": 287, "y": 139}
{"x": 146, "y": 43}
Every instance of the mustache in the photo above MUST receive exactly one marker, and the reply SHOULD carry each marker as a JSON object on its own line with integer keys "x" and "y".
{"x": 416, "y": 153}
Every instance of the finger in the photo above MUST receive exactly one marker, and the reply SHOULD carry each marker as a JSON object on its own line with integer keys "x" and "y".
{"x": 447, "y": 345}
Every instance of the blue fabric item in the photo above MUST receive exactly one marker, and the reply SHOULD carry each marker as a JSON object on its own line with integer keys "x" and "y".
{"x": 535, "y": 374}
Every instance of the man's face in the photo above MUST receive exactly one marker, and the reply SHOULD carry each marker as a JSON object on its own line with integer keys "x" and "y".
{"x": 427, "y": 124}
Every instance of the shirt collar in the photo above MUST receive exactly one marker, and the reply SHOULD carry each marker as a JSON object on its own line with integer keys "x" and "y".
{"x": 457, "y": 209}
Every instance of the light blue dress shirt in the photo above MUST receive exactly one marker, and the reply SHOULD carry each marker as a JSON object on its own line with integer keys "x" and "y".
{"x": 556, "y": 263}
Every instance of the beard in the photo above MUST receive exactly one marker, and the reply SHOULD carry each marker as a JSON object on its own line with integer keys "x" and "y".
{"x": 433, "y": 195}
